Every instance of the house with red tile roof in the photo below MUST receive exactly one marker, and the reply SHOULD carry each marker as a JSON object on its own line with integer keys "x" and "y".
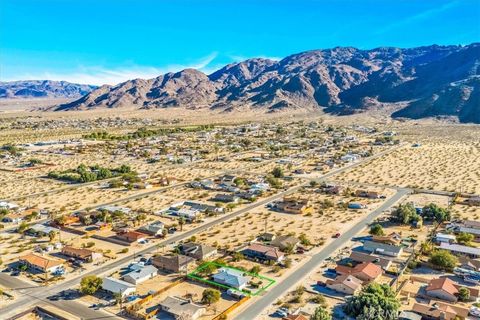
{"x": 132, "y": 236}
{"x": 365, "y": 271}
{"x": 443, "y": 289}
{"x": 40, "y": 263}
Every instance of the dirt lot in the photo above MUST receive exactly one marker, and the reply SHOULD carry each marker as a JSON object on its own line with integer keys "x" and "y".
{"x": 327, "y": 219}
{"x": 433, "y": 165}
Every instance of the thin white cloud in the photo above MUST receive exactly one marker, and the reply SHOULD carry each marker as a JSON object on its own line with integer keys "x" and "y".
{"x": 99, "y": 75}
{"x": 417, "y": 17}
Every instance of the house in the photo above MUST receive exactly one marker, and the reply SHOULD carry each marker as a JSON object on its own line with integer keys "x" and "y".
{"x": 245, "y": 195}
{"x": 197, "y": 251}
{"x": 153, "y": 229}
{"x": 259, "y": 188}
{"x": 382, "y": 248}
{"x": 39, "y": 229}
{"x": 82, "y": 254}
{"x": 267, "y": 236}
{"x": 440, "y": 311}
{"x": 474, "y": 224}
{"x": 41, "y": 264}
{"x": 470, "y": 264}
{"x": 263, "y": 253}
{"x": 188, "y": 214}
{"x": 228, "y": 187}
{"x": 8, "y": 205}
{"x": 350, "y": 157}
{"x": 181, "y": 308}
{"x": 461, "y": 249}
{"x": 393, "y": 239}
{"x": 142, "y": 275}
{"x": 112, "y": 209}
{"x": 117, "y": 286}
{"x": 285, "y": 242}
{"x": 331, "y": 189}
{"x": 365, "y": 271}
{"x": 231, "y": 278}
{"x": 204, "y": 208}
{"x": 132, "y": 236}
{"x": 228, "y": 198}
{"x": 367, "y": 194}
{"x": 443, "y": 289}
{"x": 364, "y": 257}
{"x": 228, "y": 178}
{"x": 173, "y": 263}
{"x": 443, "y": 237}
{"x": 69, "y": 220}
{"x": 294, "y": 205}
{"x": 346, "y": 284}
{"x": 207, "y": 184}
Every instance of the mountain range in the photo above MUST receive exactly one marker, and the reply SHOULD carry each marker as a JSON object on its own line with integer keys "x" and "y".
{"x": 43, "y": 89}
{"x": 429, "y": 81}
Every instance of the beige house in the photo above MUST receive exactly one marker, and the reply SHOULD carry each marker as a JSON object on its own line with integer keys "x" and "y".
{"x": 346, "y": 284}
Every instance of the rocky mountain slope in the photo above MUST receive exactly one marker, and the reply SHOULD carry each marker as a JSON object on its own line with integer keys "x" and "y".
{"x": 423, "y": 82}
{"x": 43, "y": 89}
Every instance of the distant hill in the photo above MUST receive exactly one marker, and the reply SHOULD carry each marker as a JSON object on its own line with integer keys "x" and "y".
{"x": 43, "y": 89}
{"x": 430, "y": 81}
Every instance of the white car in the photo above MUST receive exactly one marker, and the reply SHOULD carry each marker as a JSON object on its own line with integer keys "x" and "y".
{"x": 475, "y": 311}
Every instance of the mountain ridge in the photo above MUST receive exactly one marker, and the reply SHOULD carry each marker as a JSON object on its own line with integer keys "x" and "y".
{"x": 427, "y": 81}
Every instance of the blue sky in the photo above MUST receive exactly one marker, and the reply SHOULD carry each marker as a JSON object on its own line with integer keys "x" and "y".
{"x": 108, "y": 41}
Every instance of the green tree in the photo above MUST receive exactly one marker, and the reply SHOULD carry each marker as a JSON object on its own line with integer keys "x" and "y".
{"x": 376, "y": 230}
{"x": 443, "y": 259}
{"x": 255, "y": 269}
{"x": 375, "y": 301}
{"x": 90, "y": 284}
{"x": 465, "y": 238}
{"x": 277, "y": 172}
{"x": 23, "y": 227}
{"x": 51, "y": 235}
{"x": 208, "y": 269}
{"x": 321, "y": 314}
{"x": 405, "y": 213}
{"x": 237, "y": 256}
{"x": 210, "y": 296}
{"x": 434, "y": 212}
{"x": 463, "y": 294}
{"x": 181, "y": 222}
{"x": 304, "y": 239}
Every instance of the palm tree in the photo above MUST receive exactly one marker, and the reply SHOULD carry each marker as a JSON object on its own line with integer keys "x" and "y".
{"x": 181, "y": 222}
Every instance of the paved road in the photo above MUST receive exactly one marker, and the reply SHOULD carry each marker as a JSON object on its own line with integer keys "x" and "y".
{"x": 34, "y": 295}
{"x": 282, "y": 287}
{"x": 14, "y": 283}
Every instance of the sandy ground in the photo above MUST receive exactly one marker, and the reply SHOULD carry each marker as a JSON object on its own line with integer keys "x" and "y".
{"x": 319, "y": 226}
{"x": 435, "y": 166}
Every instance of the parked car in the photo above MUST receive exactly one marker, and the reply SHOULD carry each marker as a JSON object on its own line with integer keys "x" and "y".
{"x": 336, "y": 235}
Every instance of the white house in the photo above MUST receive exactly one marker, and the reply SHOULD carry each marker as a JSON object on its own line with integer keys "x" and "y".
{"x": 444, "y": 237}
{"x": 118, "y": 286}
{"x": 141, "y": 275}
